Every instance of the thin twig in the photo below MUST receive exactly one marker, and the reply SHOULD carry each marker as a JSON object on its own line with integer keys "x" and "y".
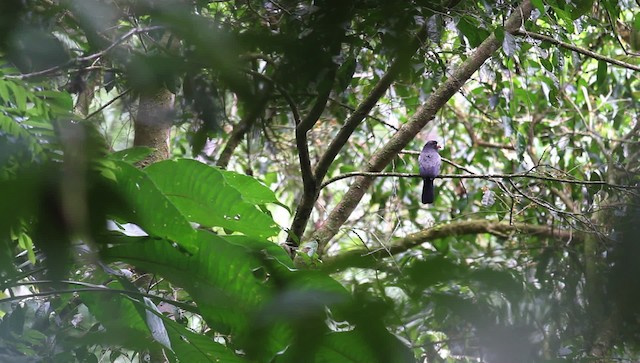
{"x": 353, "y": 109}
{"x": 107, "y": 104}
{"x": 90, "y": 288}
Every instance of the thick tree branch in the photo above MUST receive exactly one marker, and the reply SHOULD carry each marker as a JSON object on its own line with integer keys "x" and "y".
{"x": 301, "y": 138}
{"x": 407, "y": 132}
{"x": 310, "y": 185}
{"x": 303, "y": 212}
{"x": 363, "y": 257}
{"x": 582, "y": 51}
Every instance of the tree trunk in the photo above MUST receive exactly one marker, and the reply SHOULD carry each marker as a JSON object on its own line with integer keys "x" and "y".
{"x": 153, "y": 124}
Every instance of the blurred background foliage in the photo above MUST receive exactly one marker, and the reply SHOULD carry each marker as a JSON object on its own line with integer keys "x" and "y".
{"x": 102, "y": 260}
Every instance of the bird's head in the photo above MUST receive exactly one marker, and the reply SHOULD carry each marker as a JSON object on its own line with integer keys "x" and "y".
{"x": 433, "y": 144}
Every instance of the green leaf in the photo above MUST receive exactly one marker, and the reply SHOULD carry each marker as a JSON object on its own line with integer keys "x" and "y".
{"x": 151, "y": 209}
{"x": 435, "y": 270}
{"x": 251, "y": 189}
{"x": 499, "y": 32}
{"x": 267, "y": 249}
{"x": 4, "y": 91}
{"x": 601, "y": 75}
{"x": 191, "y": 347}
{"x": 59, "y": 101}
{"x": 546, "y": 64}
{"x": 581, "y": 7}
{"x": 469, "y": 28}
{"x": 203, "y": 195}
{"x": 20, "y": 97}
{"x": 25, "y": 242}
{"x": 348, "y": 347}
{"x": 538, "y": 4}
{"x": 362, "y": 345}
{"x": 130, "y": 330}
{"x": 521, "y": 146}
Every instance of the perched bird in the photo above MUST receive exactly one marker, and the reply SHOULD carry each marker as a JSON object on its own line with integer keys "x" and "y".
{"x": 430, "y": 162}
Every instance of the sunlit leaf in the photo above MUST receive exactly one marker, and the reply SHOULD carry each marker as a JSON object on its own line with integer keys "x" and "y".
{"x": 201, "y": 193}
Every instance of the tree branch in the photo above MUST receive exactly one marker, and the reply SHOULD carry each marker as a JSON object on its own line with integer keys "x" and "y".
{"x": 363, "y": 257}
{"x": 576, "y": 49}
{"x": 407, "y": 132}
{"x": 309, "y": 182}
{"x": 240, "y": 129}
{"x": 101, "y": 108}
{"x": 477, "y": 176}
{"x": 81, "y": 60}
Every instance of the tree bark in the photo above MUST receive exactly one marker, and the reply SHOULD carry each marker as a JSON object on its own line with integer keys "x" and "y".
{"x": 366, "y": 257}
{"x": 153, "y": 124}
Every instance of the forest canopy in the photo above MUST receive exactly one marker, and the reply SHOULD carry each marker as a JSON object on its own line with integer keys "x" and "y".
{"x": 239, "y": 181}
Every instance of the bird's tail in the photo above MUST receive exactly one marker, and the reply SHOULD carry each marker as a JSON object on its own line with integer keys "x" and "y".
{"x": 428, "y": 194}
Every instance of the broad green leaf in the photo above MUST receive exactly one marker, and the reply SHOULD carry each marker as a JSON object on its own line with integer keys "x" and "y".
{"x": 266, "y": 249}
{"x": 468, "y": 26}
{"x": 191, "y": 347}
{"x": 201, "y": 194}
{"x": 151, "y": 209}
{"x": 251, "y": 189}
{"x": 362, "y": 345}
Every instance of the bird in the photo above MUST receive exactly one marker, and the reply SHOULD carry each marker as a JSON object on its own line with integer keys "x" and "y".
{"x": 429, "y": 161}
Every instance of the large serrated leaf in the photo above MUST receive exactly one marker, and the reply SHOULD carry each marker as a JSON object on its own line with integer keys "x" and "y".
{"x": 151, "y": 209}
{"x": 203, "y": 195}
